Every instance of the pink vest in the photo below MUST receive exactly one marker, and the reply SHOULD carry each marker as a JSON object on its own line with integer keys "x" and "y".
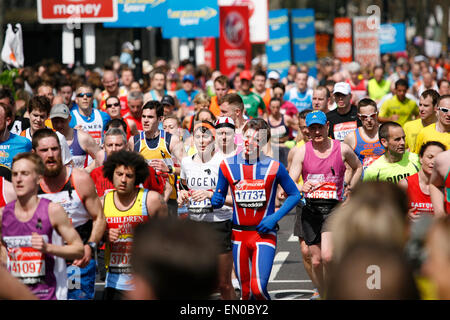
{"x": 327, "y": 174}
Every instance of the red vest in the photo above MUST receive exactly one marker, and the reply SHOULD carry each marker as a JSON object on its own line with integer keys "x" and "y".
{"x": 418, "y": 199}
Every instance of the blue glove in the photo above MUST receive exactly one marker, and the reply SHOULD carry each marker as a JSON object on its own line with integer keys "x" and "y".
{"x": 217, "y": 200}
{"x": 267, "y": 224}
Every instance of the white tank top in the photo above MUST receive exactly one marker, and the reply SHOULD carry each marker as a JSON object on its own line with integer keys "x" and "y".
{"x": 68, "y": 198}
{"x": 94, "y": 127}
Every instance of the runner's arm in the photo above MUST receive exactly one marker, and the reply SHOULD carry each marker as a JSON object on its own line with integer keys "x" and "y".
{"x": 86, "y": 188}
{"x": 156, "y": 206}
{"x": 352, "y": 160}
{"x": 293, "y": 197}
{"x": 436, "y": 187}
{"x": 90, "y": 147}
{"x": 219, "y": 196}
{"x": 60, "y": 221}
{"x": 12, "y": 288}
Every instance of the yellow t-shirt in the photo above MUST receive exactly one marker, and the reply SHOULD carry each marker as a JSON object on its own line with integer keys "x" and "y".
{"x": 429, "y": 133}
{"x": 412, "y": 129}
{"x": 299, "y": 144}
{"x": 405, "y": 110}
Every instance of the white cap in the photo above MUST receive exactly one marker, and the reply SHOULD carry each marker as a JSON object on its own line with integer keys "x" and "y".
{"x": 342, "y": 87}
{"x": 273, "y": 75}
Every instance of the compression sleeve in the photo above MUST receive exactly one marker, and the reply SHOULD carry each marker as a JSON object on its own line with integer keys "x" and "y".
{"x": 218, "y": 198}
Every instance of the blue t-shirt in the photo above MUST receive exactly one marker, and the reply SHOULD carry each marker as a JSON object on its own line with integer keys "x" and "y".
{"x": 185, "y": 98}
{"x": 14, "y": 145}
{"x": 302, "y": 100}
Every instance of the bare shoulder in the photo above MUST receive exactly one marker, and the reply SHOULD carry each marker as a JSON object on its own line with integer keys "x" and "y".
{"x": 82, "y": 181}
{"x": 442, "y": 162}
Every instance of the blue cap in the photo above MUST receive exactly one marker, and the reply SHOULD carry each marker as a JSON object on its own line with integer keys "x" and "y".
{"x": 316, "y": 117}
{"x": 188, "y": 77}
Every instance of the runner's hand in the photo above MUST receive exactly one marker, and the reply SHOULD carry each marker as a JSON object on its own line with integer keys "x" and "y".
{"x": 412, "y": 215}
{"x": 38, "y": 242}
{"x": 183, "y": 196}
{"x": 308, "y": 186}
{"x": 200, "y": 195}
{"x": 159, "y": 165}
{"x": 113, "y": 234}
{"x": 267, "y": 224}
{"x": 83, "y": 262}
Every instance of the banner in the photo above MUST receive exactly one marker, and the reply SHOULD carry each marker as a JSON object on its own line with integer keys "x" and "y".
{"x": 278, "y": 48}
{"x": 322, "y": 45}
{"x": 392, "y": 37}
{"x": 139, "y": 14}
{"x": 235, "y": 47}
{"x": 367, "y": 49}
{"x": 209, "y": 45}
{"x": 258, "y": 17}
{"x": 303, "y": 34}
{"x": 79, "y": 11}
{"x": 191, "y": 19}
{"x": 343, "y": 39}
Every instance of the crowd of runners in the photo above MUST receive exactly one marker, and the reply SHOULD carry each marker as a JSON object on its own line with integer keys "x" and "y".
{"x": 172, "y": 186}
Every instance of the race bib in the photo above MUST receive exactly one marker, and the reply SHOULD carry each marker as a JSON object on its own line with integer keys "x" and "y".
{"x": 341, "y": 130}
{"x": 250, "y": 194}
{"x": 326, "y": 190}
{"x": 200, "y": 206}
{"x": 27, "y": 264}
{"x": 120, "y": 256}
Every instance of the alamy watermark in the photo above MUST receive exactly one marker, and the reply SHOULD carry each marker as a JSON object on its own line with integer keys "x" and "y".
{"x": 374, "y": 280}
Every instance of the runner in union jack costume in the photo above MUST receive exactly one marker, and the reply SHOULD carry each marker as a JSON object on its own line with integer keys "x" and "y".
{"x": 253, "y": 179}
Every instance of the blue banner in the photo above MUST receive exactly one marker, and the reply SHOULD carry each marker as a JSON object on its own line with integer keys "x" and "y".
{"x": 392, "y": 37}
{"x": 278, "y": 48}
{"x": 191, "y": 19}
{"x": 304, "y": 38}
{"x": 139, "y": 14}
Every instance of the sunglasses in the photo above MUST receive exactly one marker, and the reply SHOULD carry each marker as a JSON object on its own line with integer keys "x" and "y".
{"x": 444, "y": 110}
{"x": 113, "y": 105}
{"x": 367, "y": 116}
{"x": 81, "y": 95}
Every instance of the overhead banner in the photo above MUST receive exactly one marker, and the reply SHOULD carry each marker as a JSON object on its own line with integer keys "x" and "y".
{"x": 209, "y": 45}
{"x": 343, "y": 47}
{"x": 304, "y": 38}
{"x": 235, "y": 47}
{"x": 79, "y": 11}
{"x": 278, "y": 48}
{"x": 191, "y": 19}
{"x": 139, "y": 14}
{"x": 258, "y": 11}
{"x": 392, "y": 37}
{"x": 366, "y": 45}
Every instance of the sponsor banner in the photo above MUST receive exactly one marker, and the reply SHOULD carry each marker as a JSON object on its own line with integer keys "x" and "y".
{"x": 258, "y": 17}
{"x": 278, "y": 48}
{"x": 366, "y": 45}
{"x": 322, "y": 45}
{"x": 76, "y": 11}
{"x": 235, "y": 47}
{"x": 209, "y": 45}
{"x": 303, "y": 35}
{"x": 343, "y": 39}
{"x": 139, "y": 14}
{"x": 392, "y": 37}
{"x": 191, "y": 19}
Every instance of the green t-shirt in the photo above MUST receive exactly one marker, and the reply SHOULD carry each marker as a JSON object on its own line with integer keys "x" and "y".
{"x": 405, "y": 110}
{"x": 382, "y": 170}
{"x": 378, "y": 90}
{"x": 252, "y": 102}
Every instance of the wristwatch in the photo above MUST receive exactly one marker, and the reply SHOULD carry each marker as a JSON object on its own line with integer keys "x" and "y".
{"x": 170, "y": 169}
{"x": 93, "y": 246}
